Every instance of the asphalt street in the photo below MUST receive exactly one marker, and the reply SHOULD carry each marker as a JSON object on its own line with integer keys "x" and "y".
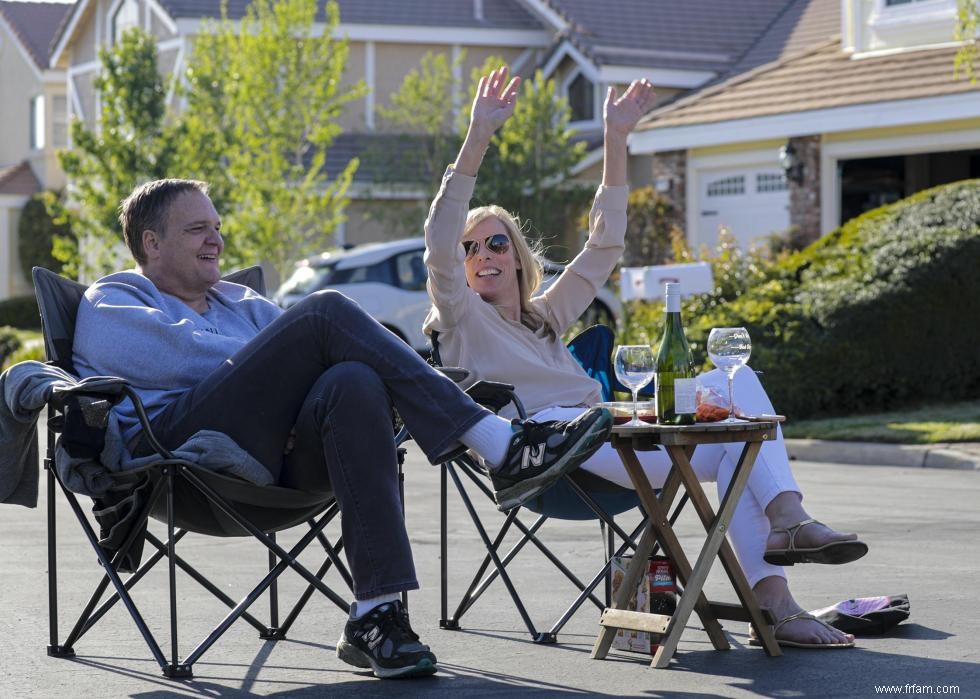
{"x": 921, "y": 525}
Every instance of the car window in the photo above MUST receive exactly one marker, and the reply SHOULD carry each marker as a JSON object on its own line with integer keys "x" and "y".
{"x": 410, "y": 271}
{"x": 306, "y": 279}
{"x": 379, "y": 272}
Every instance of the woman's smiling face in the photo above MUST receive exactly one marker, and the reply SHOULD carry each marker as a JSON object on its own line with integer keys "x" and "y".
{"x": 493, "y": 276}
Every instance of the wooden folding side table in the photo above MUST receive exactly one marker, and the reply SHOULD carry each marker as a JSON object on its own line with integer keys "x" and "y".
{"x": 680, "y": 443}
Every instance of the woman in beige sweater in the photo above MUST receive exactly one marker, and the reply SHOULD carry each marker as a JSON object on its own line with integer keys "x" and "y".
{"x": 483, "y": 281}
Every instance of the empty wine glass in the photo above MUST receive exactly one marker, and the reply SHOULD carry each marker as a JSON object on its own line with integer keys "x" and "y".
{"x": 728, "y": 349}
{"x": 634, "y": 369}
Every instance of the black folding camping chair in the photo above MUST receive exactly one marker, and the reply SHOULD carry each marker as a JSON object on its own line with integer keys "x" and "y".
{"x": 577, "y": 496}
{"x": 186, "y": 497}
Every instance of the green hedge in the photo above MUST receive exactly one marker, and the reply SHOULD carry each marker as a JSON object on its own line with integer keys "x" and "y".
{"x": 9, "y": 343}
{"x": 20, "y": 312}
{"x": 882, "y": 313}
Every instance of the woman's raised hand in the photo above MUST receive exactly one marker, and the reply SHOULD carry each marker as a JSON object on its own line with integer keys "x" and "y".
{"x": 621, "y": 114}
{"x": 494, "y": 102}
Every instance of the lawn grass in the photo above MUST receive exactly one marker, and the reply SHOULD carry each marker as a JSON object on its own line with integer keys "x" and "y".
{"x": 948, "y": 422}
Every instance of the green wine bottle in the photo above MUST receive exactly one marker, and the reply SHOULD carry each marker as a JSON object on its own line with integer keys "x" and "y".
{"x": 676, "y": 402}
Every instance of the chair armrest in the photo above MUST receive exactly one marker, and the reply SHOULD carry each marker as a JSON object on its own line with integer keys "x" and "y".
{"x": 456, "y": 374}
{"x": 111, "y": 388}
{"x": 495, "y": 395}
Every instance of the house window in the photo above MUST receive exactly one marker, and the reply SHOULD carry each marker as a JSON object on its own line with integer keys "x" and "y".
{"x": 37, "y": 122}
{"x": 126, "y": 17}
{"x": 59, "y": 121}
{"x": 892, "y": 3}
{"x": 727, "y": 186}
{"x": 770, "y": 182}
{"x": 581, "y": 98}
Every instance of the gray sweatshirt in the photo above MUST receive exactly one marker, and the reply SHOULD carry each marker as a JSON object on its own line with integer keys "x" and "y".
{"x": 127, "y": 327}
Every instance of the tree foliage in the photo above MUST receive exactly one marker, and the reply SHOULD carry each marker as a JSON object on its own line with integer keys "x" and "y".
{"x": 263, "y": 97}
{"x": 967, "y": 16}
{"x": 36, "y": 233}
{"x": 418, "y": 136}
{"x": 530, "y": 159}
{"x": 133, "y": 144}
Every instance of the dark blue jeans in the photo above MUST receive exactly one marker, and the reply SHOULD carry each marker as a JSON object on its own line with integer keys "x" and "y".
{"x": 328, "y": 373}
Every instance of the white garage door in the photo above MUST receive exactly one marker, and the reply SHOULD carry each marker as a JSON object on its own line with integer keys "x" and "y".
{"x": 750, "y": 202}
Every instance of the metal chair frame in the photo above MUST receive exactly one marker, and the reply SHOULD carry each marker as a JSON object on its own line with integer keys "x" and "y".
{"x": 165, "y": 474}
{"x": 500, "y": 394}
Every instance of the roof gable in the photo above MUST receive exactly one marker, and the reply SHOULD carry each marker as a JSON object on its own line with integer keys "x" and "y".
{"x": 18, "y": 179}
{"x": 35, "y": 24}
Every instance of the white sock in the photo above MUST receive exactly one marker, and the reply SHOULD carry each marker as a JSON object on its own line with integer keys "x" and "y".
{"x": 361, "y": 607}
{"x": 489, "y": 438}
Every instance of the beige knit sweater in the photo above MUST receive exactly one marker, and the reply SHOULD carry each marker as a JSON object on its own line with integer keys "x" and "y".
{"x": 473, "y": 334}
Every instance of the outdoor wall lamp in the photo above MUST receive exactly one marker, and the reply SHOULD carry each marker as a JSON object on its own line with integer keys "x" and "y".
{"x": 791, "y": 163}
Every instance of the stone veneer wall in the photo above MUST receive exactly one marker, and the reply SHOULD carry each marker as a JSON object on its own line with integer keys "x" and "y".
{"x": 669, "y": 171}
{"x": 804, "y": 198}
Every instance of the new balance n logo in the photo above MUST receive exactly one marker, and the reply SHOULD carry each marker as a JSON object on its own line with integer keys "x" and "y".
{"x": 533, "y": 456}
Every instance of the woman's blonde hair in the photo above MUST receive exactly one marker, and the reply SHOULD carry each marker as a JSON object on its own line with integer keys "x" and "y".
{"x": 531, "y": 270}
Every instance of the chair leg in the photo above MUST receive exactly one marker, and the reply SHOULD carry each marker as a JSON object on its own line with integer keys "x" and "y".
{"x": 55, "y": 649}
{"x": 444, "y": 621}
{"x": 493, "y": 554}
{"x": 175, "y": 669}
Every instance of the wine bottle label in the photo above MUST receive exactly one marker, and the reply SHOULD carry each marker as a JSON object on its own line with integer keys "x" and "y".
{"x": 685, "y": 401}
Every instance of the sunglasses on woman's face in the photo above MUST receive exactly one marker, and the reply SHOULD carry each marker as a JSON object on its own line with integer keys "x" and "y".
{"x": 498, "y": 244}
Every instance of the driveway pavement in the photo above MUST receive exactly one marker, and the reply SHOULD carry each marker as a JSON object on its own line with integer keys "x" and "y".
{"x": 921, "y": 525}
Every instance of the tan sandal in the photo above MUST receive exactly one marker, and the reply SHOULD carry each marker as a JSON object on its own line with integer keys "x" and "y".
{"x": 835, "y": 552}
{"x": 754, "y": 641}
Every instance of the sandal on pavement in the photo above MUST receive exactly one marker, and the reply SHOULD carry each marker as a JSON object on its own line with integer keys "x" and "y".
{"x": 785, "y": 643}
{"x": 835, "y": 552}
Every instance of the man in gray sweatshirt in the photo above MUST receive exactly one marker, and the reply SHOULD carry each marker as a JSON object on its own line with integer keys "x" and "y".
{"x": 308, "y": 392}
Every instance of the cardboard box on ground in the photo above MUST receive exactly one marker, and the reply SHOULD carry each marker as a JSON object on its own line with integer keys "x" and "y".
{"x": 656, "y": 592}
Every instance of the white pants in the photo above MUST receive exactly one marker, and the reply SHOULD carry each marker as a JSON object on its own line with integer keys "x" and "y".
{"x": 770, "y": 475}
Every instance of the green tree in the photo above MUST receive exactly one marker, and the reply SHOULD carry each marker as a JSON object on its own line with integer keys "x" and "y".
{"x": 133, "y": 144}
{"x": 421, "y": 112}
{"x": 967, "y": 16}
{"x": 263, "y": 97}
{"x": 529, "y": 163}
{"x": 36, "y": 233}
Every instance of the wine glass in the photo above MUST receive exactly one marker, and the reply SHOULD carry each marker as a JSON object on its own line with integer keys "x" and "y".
{"x": 634, "y": 369}
{"x": 728, "y": 349}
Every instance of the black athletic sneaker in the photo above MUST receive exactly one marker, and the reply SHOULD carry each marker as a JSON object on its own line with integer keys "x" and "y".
{"x": 383, "y": 640}
{"x": 541, "y": 453}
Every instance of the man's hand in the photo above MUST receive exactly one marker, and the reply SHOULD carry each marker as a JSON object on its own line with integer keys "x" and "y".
{"x": 621, "y": 114}
{"x": 494, "y": 102}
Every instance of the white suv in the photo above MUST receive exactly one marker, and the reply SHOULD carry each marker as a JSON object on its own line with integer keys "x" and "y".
{"x": 388, "y": 281}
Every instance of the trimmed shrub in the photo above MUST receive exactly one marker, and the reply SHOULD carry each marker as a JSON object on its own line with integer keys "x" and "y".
{"x": 20, "y": 312}
{"x": 9, "y": 343}
{"x": 881, "y": 313}
{"x": 36, "y": 233}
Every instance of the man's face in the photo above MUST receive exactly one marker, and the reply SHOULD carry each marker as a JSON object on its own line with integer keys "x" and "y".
{"x": 186, "y": 257}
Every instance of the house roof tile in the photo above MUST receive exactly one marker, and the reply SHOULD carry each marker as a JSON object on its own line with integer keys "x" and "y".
{"x": 36, "y": 24}
{"x": 18, "y": 179}
{"x": 821, "y": 78}
{"x": 497, "y": 14}
{"x": 694, "y": 35}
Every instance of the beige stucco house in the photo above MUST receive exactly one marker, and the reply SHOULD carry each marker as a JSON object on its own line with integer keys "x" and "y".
{"x": 33, "y": 122}
{"x": 863, "y": 112}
